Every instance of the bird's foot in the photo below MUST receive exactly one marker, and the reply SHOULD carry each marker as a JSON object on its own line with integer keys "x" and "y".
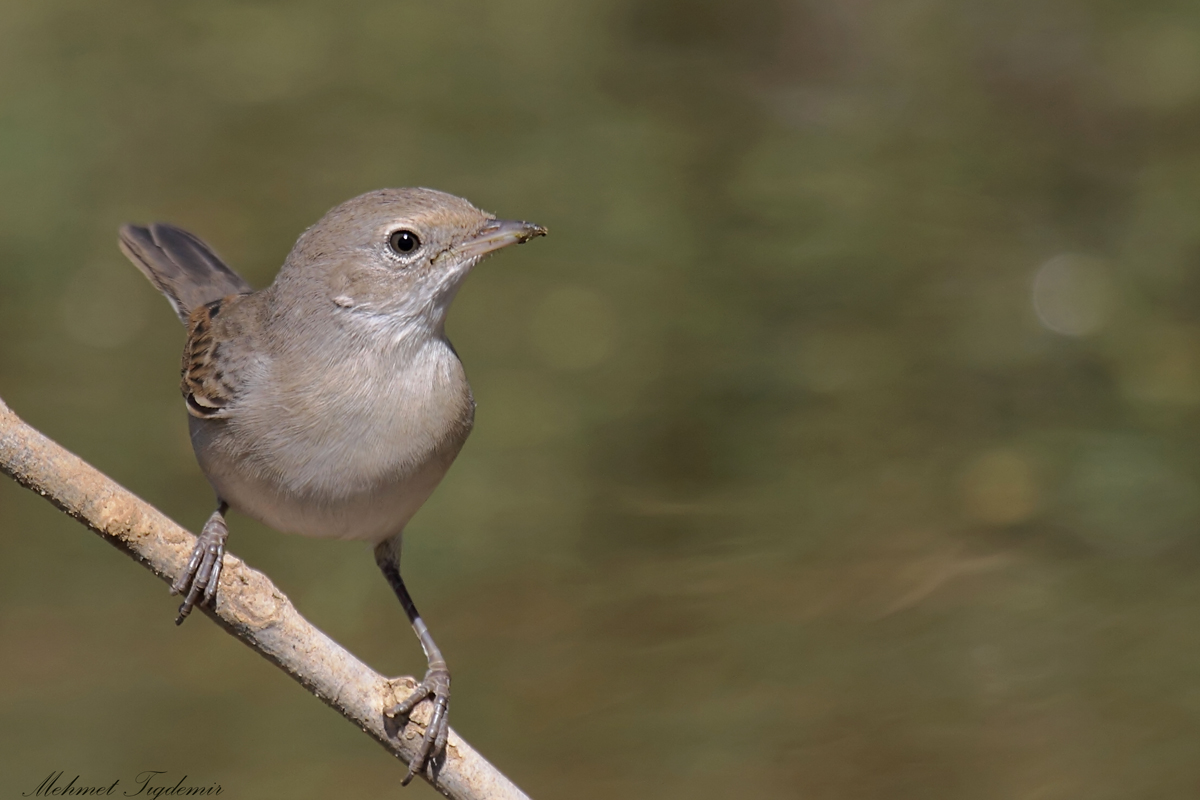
{"x": 199, "y": 579}
{"x": 436, "y": 686}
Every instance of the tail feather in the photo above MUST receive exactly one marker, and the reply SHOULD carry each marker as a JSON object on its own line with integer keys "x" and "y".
{"x": 181, "y": 266}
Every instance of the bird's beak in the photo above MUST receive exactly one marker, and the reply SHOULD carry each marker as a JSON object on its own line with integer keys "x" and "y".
{"x": 499, "y": 233}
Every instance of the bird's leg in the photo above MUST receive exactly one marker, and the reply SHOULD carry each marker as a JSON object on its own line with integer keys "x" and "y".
{"x": 203, "y": 572}
{"x": 436, "y": 684}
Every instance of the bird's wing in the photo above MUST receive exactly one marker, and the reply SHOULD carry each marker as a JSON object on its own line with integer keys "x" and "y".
{"x": 180, "y": 265}
{"x": 205, "y": 383}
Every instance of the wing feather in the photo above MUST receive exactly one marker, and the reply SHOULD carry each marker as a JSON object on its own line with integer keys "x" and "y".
{"x": 206, "y": 389}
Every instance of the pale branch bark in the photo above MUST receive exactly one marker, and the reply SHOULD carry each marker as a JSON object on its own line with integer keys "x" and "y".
{"x": 248, "y": 606}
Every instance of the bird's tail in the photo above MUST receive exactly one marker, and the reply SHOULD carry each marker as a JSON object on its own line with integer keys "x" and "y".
{"x": 183, "y": 268}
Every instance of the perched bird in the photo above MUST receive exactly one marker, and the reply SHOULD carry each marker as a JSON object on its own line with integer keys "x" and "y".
{"x": 330, "y": 403}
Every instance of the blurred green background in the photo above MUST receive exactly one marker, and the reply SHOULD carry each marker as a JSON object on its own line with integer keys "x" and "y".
{"x": 840, "y": 441}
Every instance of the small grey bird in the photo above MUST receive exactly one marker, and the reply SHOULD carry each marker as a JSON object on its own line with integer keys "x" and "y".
{"x": 330, "y": 403}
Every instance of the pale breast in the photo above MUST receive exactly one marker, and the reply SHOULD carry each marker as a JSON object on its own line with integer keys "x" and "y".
{"x": 350, "y": 448}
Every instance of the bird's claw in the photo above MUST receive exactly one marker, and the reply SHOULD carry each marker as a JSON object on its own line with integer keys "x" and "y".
{"x": 436, "y": 685}
{"x": 203, "y": 572}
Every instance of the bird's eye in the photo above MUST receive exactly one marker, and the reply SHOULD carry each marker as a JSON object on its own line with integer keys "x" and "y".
{"x": 404, "y": 242}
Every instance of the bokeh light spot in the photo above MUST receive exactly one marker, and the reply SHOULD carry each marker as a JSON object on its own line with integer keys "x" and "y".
{"x": 1073, "y": 295}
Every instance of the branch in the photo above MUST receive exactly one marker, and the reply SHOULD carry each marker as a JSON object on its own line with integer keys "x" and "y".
{"x": 248, "y": 606}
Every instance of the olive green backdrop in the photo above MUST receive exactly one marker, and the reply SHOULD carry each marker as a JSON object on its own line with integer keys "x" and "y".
{"x": 839, "y": 442}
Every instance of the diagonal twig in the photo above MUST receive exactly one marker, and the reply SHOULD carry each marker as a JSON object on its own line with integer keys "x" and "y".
{"x": 248, "y": 606}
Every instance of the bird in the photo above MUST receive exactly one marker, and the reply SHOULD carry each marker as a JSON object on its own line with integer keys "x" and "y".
{"x": 330, "y": 403}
